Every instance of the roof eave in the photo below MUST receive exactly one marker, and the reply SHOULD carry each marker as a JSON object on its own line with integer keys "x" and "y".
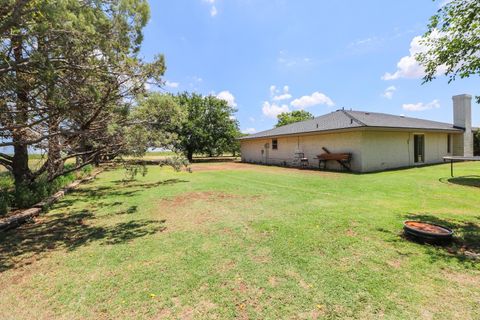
{"x": 359, "y": 128}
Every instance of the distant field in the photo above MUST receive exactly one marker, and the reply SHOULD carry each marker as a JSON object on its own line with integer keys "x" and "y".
{"x": 240, "y": 241}
{"x": 35, "y": 161}
{"x": 162, "y": 154}
{"x": 159, "y": 154}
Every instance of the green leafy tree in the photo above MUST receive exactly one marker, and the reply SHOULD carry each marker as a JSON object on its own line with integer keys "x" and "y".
{"x": 285, "y": 118}
{"x": 209, "y": 127}
{"x": 70, "y": 73}
{"x": 235, "y": 146}
{"x": 453, "y": 41}
{"x": 68, "y": 70}
{"x": 154, "y": 123}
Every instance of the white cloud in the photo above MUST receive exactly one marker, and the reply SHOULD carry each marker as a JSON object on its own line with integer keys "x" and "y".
{"x": 408, "y": 67}
{"x": 388, "y": 93}
{"x": 435, "y": 104}
{"x": 361, "y": 42}
{"x": 196, "y": 79}
{"x": 285, "y": 96}
{"x": 279, "y": 96}
{"x": 365, "y": 44}
{"x": 287, "y": 60}
{"x": 213, "y": 11}
{"x": 251, "y": 119}
{"x": 227, "y": 96}
{"x": 171, "y": 84}
{"x": 314, "y": 99}
{"x": 249, "y": 131}
{"x": 271, "y": 110}
{"x": 213, "y": 8}
{"x": 194, "y": 82}
{"x": 273, "y": 90}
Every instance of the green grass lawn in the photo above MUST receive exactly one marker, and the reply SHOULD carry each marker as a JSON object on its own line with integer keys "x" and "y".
{"x": 249, "y": 242}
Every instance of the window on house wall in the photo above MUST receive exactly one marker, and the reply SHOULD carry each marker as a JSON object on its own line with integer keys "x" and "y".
{"x": 274, "y": 144}
{"x": 419, "y": 148}
{"x": 449, "y": 143}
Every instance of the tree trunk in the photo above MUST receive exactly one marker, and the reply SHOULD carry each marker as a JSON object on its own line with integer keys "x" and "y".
{"x": 20, "y": 169}
{"x": 190, "y": 155}
{"x": 54, "y": 157}
{"x": 55, "y": 165}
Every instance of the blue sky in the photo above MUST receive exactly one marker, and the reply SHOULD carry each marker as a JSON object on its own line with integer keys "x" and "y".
{"x": 267, "y": 56}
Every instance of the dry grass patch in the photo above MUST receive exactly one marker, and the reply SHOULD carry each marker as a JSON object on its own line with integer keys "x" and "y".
{"x": 241, "y": 166}
{"x": 471, "y": 279}
{"x": 198, "y": 210}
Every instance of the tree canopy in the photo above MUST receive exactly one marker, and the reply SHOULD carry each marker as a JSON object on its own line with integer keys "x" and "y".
{"x": 453, "y": 41}
{"x": 285, "y": 118}
{"x": 70, "y": 76}
{"x": 209, "y": 127}
{"x": 154, "y": 122}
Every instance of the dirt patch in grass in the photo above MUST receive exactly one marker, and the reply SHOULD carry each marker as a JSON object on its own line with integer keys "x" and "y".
{"x": 200, "y": 167}
{"x": 247, "y": 300}
{"x": 226, "y": 266}
{"x": 240, "y": 166}
{"x": 297, "y": 277}
{"x": 193, "y": 210}
{"x": 312, "y": 315}
{"x": 187, "y": 198}
{"x": 201, "y": 310}
{"x": 261, "y": 255}
{"x": 163, "y": 314}
{"x": 463, "y": 279}
{"x": 395, "y": 264}
{"x": 273, "y": 281}
{"x": 351, "y": 233}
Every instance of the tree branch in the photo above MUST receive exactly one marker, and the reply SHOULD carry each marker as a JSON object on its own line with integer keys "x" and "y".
{"x": 7, "y": 164}
{"x": 86, "y": 163}
{"x": 6, "y": 156}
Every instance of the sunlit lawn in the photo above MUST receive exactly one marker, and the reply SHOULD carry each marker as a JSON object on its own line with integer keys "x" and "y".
{"x": 250, "y": 242}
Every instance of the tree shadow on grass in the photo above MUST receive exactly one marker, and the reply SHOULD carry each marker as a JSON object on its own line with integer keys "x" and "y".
{"x": 465, "y": 246}
{"x": 138, "y": 184}
{"x": 95, "y": 195}
{"x": 69, "y": 230}
{"x": 467, "y": 181}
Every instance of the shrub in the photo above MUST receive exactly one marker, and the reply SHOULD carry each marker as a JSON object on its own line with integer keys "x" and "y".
{"x": 24, "y": 196}
{"x": 6, "y": 196}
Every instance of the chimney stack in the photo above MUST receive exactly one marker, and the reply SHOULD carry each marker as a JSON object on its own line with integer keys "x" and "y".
{"x": 462, "y": 119}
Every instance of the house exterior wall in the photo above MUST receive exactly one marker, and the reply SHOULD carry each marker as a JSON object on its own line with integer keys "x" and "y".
{"x": 255, "y": 151}
{"x": 462, "y": 118}
{"x": 372, "y": 150}
{"x": 395, "y": 149}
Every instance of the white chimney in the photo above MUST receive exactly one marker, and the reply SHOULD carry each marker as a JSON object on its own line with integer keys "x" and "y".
{"x": 462, "y": 119}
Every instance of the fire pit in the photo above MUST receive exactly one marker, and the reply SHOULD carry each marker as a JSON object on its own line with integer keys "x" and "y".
{"x": 427, "y": 232}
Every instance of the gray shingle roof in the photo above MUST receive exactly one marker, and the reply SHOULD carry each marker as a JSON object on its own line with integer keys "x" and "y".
{"x": 343, "y": 119}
